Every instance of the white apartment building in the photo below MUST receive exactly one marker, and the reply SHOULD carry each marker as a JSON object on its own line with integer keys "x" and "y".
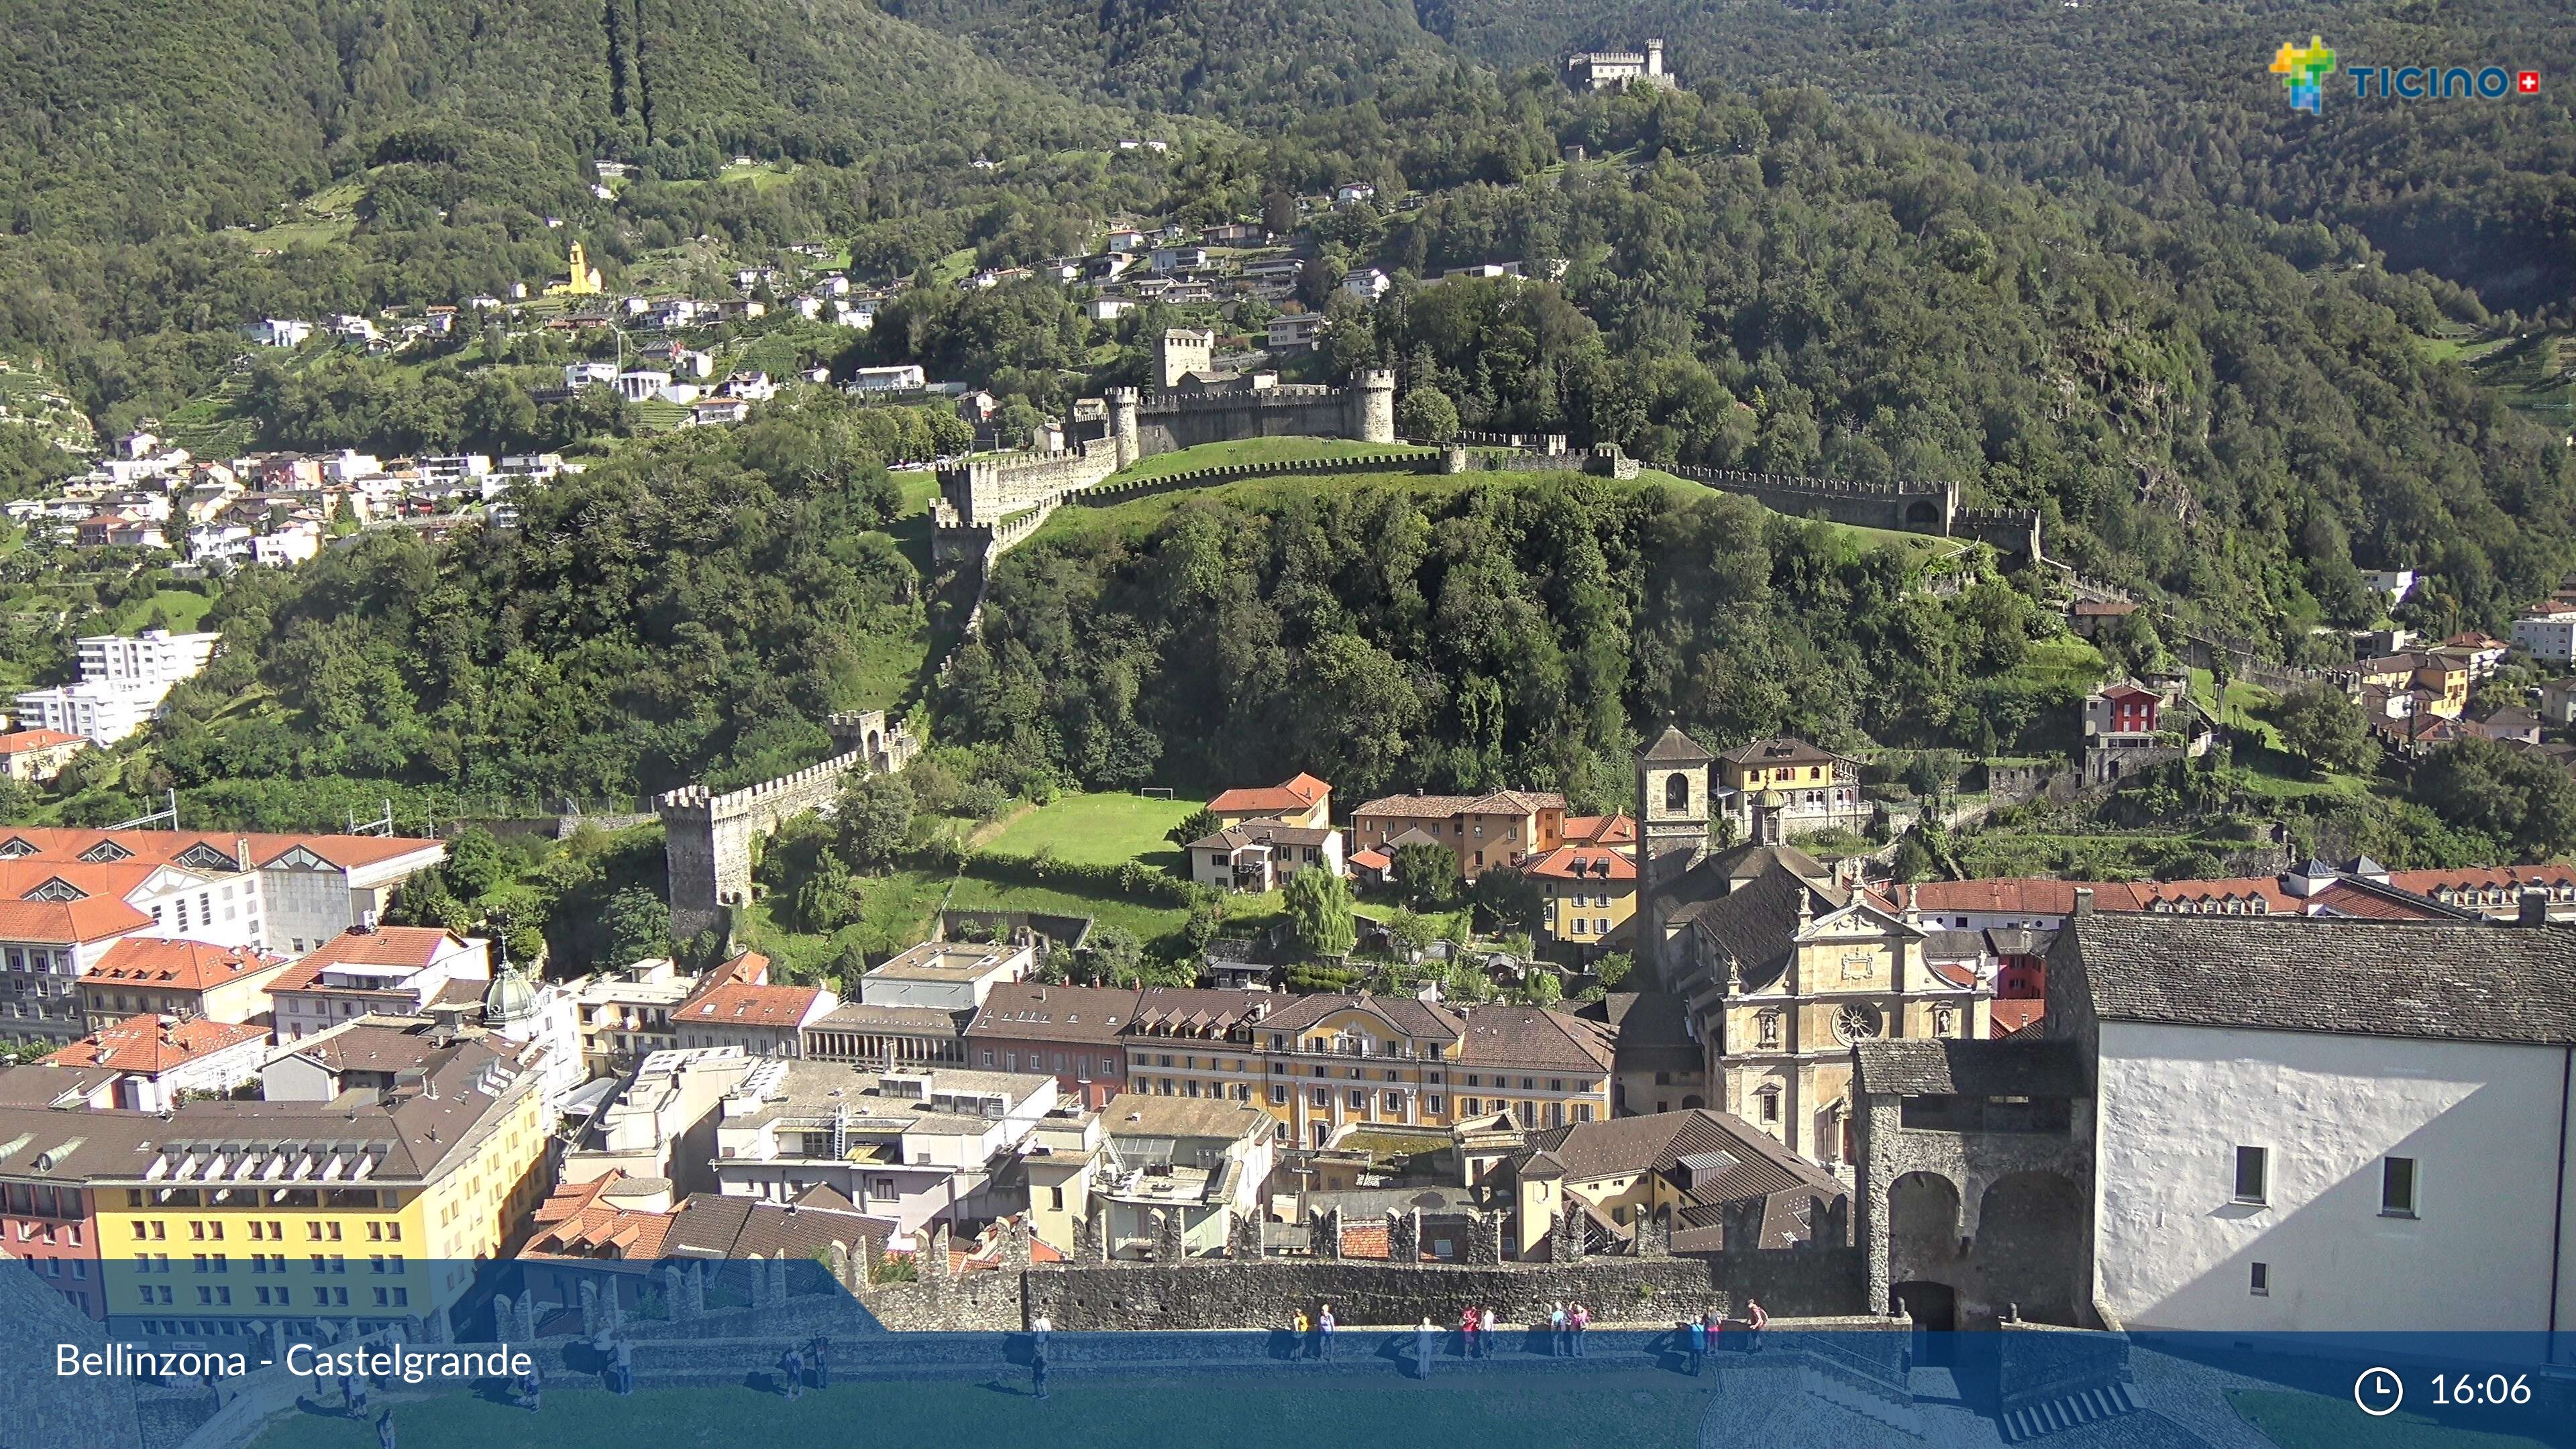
{"x": 914, "y": 1147}
{"x": 123, "y": 681}
{"x": 2547, "y": 634}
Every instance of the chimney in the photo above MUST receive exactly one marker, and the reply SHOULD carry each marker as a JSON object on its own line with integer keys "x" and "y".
{"x": 2083, "y": 903}
{"x": 2535, "y": 907}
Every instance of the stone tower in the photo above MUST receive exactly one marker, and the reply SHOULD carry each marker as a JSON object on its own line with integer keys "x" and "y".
{"x": 1183, "y": 350}
{"x": 1672, "y": 832}
{"x": 1373, "y": 406}
{"x": 1124, "y": 434}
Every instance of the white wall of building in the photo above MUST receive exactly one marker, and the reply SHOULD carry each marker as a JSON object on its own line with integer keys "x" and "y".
{"x": 2484, "y": 1123}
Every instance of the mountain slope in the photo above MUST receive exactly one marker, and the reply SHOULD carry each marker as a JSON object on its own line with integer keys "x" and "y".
{"x": 1243, "y": 59}
{"x": 252, "y": 101}
{"x": 2170, "y": 101}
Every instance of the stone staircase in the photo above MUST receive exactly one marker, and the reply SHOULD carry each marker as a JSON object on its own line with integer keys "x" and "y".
{"x": 2085, "y": 1406}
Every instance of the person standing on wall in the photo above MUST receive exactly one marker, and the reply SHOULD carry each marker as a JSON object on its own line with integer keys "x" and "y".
{"x": 1485, "y": 1321}
{"x": 1426, "y": 1342}
{"x": 1324, "y": 1326}
{"x": 1756, "y": 1319}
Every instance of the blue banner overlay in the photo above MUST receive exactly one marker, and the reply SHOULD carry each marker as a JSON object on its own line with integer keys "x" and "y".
{"x": 568, "y": 1354}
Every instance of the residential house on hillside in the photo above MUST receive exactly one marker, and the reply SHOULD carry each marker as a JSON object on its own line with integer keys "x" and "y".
{"x": 1260, "y": 855}
{"x": 2438, "y": 683}
{"x": 33, "y": 756}
{"x": 1776, "y": 790}
{"x": 1299, "y": 800}
{"x": 1502, "y": 827}
{"x": 1591, "y": 891}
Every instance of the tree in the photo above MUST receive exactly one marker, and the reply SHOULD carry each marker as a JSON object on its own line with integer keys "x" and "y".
{"x": 828, "y": 899}
{"x": 638, "y": 925}
{"x": 1540, "y": 988}
{"x": 475, "y": 863}
{"x": 2322, "y": 725}
{"x": 1425, "y": 875}
{"x": 2525, "y": 802}
{"x": 875, "y": 814}
{"x": 1614, "y": 968}
{"x": 1117, "y": 957}
{"x": 1199, "y": 824}
{"x": 1426, "y": 415}
{"x": 1510, "y": 900}
{"x": 1319, "y": 912}
{"x": 1409, "y": 931}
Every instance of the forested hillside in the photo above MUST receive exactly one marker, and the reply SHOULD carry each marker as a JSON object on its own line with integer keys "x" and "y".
{"x": 1243, "y": 59}
{"x": 2220, "y": 406}
{"x": 2168, "y": 102}
{"x": 690, "y": 611}
{"x": 132, "y": 118}
{"x": 1507, "y": 635}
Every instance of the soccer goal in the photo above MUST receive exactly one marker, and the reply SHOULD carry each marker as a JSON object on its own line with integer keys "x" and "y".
{"x": 1156, "y": 792}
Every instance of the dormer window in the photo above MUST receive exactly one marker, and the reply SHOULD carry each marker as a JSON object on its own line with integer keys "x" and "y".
{"x": 106, "y": 852}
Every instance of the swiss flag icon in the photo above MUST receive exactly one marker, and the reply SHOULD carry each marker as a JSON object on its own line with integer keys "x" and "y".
{"x": 2527, "y": 82}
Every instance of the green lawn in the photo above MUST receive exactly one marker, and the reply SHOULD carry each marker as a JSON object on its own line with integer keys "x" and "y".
{"x": 2312, "y": 1421}
{"x": 2062, "y": 663}
{"x": 184, "y": 610}
{"x": 1105, "y": 829}
{"x": 1146, "y": 921}
{"x": 1372, "y": 1409}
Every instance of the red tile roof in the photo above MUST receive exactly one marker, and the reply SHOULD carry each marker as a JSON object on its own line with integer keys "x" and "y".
{"x": 1600, "y": 830}
{"x": 740, "y": 1005}
{"x": 2012, "y": 1014}
{"x": 184, "y": 965}
{"x": 1582, "y": 862}
{"x": 1295, "y": 795}
{"x": 578, "y": 1221}
{"x": 415, "y": 946}
{"x": 68, "y": 923}
{"x": 152, "y": 1044}
{"x": 19, "y": 742}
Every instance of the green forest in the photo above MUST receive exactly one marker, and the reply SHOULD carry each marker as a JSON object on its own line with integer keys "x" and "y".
{"x": 2079, "y": 260}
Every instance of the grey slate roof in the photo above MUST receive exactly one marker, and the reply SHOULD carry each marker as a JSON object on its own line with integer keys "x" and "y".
{"x": 2357, "y": 978}
{"x": 1920, "y": 1067}
{"x": 1674, "y": 747}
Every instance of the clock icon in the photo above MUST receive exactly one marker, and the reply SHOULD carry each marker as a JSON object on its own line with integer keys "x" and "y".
{"x": 2378, "y": 1391}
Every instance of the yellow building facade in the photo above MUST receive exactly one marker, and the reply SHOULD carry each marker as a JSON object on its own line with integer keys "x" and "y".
{"x": 242, "y": 1215}
{"x": 1320, "y": 1063}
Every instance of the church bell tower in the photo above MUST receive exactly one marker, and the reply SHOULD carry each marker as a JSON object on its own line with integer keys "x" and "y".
{"x": 1672, "y": 833}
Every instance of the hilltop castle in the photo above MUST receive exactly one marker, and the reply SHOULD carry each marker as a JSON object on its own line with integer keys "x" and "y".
{"x": 1619, "y": 70}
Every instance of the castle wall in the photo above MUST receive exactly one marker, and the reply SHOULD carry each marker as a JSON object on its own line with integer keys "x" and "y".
{"x": 1227, "y": 1293}
{"x": 1913, "y": 507}
{"x": 706, "y": 838}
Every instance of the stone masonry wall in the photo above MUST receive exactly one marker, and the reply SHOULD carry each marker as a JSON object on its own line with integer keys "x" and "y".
{"x": 706, "y": 839}
{"x": 1232, "y": 1293}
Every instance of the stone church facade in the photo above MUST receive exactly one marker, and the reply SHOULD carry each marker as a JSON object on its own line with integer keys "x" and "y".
{"x": 1781, "y": 963}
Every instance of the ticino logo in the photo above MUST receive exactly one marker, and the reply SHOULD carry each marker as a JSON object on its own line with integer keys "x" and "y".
{"x": 2303, "y": 70}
